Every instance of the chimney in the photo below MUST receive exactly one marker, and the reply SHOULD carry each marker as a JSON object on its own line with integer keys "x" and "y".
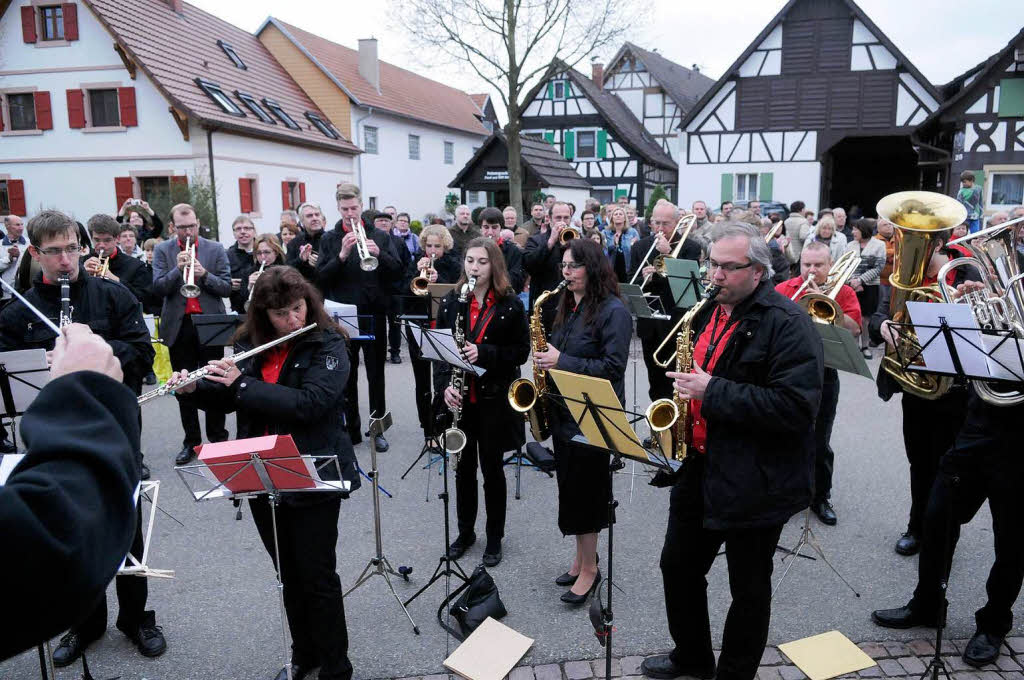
{"x": 175, "y": 6}
{"x": 597, "y": 73}
{"x": 369, "y": 66}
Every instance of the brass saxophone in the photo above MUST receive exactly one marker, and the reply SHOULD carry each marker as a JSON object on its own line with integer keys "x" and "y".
{"x": 523, "y": 393}
{"x": 454, "y": 438}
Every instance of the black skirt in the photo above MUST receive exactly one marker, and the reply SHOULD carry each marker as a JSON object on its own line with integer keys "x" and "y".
{"x": 868, "y": 298}
{"x": 582, "y": 474}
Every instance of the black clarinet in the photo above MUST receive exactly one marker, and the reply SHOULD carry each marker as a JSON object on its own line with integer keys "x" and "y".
{"x": 65, "y": 300}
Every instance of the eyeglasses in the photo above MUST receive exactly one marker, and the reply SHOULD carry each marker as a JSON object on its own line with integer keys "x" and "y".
{"x": 182, "y": 227}
{"x": 572, "y": 266}
{"x": 727, "y": 267}
{"x": 70, "y": 251}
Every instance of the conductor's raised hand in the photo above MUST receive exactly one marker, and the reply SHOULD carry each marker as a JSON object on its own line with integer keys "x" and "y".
{"x": 79, "y": 349}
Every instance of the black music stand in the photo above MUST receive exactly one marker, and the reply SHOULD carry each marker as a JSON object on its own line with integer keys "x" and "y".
{"x": 684, "y": 281}
{"x": 431, "y": 442}
{"x": 216, "y": 330}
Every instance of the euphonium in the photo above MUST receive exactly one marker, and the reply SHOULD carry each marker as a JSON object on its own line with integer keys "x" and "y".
{"x": 918, "y": 217}
{"x": 684, "y": 364}
{"x": 420, "y": 284}
{"x": 189, "y": 289}
{"x": 525, "y": 395}
{"x": 454, "y": 438}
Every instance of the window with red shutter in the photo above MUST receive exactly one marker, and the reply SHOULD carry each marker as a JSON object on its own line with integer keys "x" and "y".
{"x": 126, "y": 101}
{"x": 28, "y": 24}
{"x": 245, "y": 194}
{"x": 302, "y": 193}
{"x": 16, "y": 196}
{"x": 44, "y": 112}
{"x": 70, "y": 21}
{"x": 286, "y": 196}
{"x": 124, "y": 189}
{"x": 76, "y": 109}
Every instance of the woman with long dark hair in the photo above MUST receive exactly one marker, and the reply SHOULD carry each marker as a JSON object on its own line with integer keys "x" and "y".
{"x": 497, "y": 340}
{"x": 590, "y": 336}
{"x": 295, "y": 388}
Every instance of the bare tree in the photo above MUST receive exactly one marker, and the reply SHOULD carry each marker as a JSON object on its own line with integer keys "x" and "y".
{"x": 511, "y": 43}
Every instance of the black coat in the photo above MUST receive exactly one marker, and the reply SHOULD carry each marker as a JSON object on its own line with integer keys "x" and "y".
{"x": 543, "y": 264}
{"x": 760, "y": 408}
{"x": 132, "y": 273}
{"x": 599, "y": 349}
{"x": 346, "y": 282}
{"x": 659, "y": 285}
{"x": 67, "y": 509}
{"x": 107, "y": 307}
{"x": 292, "y": 252}
{"x": 504, "y": 347}
{"x": 307, "y": 401}
{"x": 400, "y": 284}
{"x": 514, "y": 264}
{"x": 241, "y": 265}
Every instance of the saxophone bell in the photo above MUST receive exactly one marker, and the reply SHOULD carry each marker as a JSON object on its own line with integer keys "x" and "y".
{"x": 522, "y": 395}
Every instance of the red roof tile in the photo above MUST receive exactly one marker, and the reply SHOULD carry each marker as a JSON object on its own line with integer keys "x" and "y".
{"x": 401, "y": 92}
{"x": 480, "y": 100}
{"x": 175, "y": 49}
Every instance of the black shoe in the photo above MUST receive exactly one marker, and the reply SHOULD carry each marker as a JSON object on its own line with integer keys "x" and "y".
{"x": 459, "y": 546}
{"x": 7, "y": 446}
{"x": 145, "y": 472}
{"x": 902, "y": 617}
{"x": 70, "y": 648}
{"x": 298, "y": 672}
{"x": 148, "y": 637}
{"x": 575, "y": 600}
{"x": 983, "y": 649}
{"x": 380, "y": 443}
{"x": 566, "y": 579}
{"x": 396, "y": 358}
{"x": 184, "y": 456}
{"x": 150, "y": 379}
{"x": 647, "y": 443}
{"x": 492, "y": 553}
{"x": 663, "y": 667}
{"x": 908, "y": 544}
{"x": 823, "y": 509}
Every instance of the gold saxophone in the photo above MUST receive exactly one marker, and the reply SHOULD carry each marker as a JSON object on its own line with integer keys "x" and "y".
{"x": 525, "y": 395}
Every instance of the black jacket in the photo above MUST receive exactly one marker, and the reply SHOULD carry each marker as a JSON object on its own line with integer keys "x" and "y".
{"x": 514, "y": 264}
{"x": 400, "y": 284}
{"x": 156, "y": 229}
{"x": 346, "y": 282}
{"x": 542, "y": 264}
{"x": 307, "y": 401}
{"x": 760, "y": 408}
{"x": 658, "y": 285}
{"x": 292, "y": 252}
{"x": 241, "y": 265}
{"x": 132, "y": 273}
{"x": 67, "y": 509}
{"x": 107, "y": 307}
{"x": 503, "y": 348}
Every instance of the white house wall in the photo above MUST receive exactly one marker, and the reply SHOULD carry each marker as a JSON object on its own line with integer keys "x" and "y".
{"x": 389, "y": 176}
{"x": 790, "y": 181}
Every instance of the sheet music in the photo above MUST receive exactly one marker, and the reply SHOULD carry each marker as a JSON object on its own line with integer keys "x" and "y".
{"x": 7, "y": 464}
{"x": 28, "y": 373}
{"x": 1005, "y": 356}
{"x": 344, "y": 314}
{"x": 443, "y": 337}
{"x": 967, "y": 337}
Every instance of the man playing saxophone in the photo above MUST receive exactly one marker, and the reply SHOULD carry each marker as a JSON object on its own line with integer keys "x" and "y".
{"x": 754, "y": 393}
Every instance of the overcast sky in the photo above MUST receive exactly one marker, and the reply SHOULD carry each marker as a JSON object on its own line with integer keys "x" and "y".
{"x": 942, "y": 38}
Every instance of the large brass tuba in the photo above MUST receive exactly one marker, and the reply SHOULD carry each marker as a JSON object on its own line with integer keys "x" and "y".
{"x": 919, "y": 217}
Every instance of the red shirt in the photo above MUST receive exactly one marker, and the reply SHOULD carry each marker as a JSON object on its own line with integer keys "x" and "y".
{"x": 474, "y": 314}
{"x": 715, "y": 337}
{"x": 273, "y": 362}
{"x": 846, "y": 298}
{"x": 192, "y": 305}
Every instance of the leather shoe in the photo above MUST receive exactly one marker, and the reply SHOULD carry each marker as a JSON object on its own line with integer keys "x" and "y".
{"x": 298, "y": 672}
{"x": 396, "y": 358}
{"x": 492, "y": 552}
{"x": 823, "y": 509}
{"x": 902, "y": 617}
{"x": 982, "y": 649}
{"x": 150, "y": 379}
{"x": 380, "y": 443}
{"x": 459, "y": 546}
{"x": 566, "y": 579}
{"x": 144, "y": 472}
{"x": 7, "y": 446}
{"x": 572, "y": 598}
{"x": 663, "y": 667}
{"x": 70, "y": 648}
{"x": 908, "y": 544}
{"x": 148, "y": 636}
{"x": 184, "y": 456}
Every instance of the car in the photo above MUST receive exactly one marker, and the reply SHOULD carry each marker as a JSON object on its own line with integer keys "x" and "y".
{"x": 767, "y": 207}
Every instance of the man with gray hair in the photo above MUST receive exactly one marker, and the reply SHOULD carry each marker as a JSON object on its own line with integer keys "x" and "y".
{"x": 463, "y": 231}
{"x": 843, "y": 225}
{"x": 304, "y": 249}
{"x": 754, "y": 393}
{"x": 13, "y": 247}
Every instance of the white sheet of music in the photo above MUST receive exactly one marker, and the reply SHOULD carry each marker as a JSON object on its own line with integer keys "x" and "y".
{"x": 7, "y": 465}
{"x": 967, "y": 338}
{"x": 446, "y": 341}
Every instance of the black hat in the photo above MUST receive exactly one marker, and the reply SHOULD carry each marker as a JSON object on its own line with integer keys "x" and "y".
{"x": 381, "y": 215}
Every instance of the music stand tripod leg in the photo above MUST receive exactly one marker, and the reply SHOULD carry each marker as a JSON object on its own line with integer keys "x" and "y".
{"x": 272, "y": 499}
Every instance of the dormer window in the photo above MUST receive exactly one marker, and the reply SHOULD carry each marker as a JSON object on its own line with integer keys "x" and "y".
{"x": 321, "y": 125}
{"x": 214, "y": 92}
{"x": 276, "y": 109}
{"x": 254, "y": 106}
{"x": 232, "y": 55}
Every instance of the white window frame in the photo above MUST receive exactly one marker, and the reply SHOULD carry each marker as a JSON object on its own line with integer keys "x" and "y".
{"x": 414, "y": 138}
{"x": 746, "y": 195}
{"x": 449, "y": 153}
{"x": 376, "y": 139}
{"x": 990, "y": 174}
{"x": 576, "y": 142}
{"x": 218, "y": 96}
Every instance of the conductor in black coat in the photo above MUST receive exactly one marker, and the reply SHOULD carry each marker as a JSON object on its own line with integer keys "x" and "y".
{"x": 665, "y": 237}
{"x": 496, "y": 339}
{"x": 296, "y": 388}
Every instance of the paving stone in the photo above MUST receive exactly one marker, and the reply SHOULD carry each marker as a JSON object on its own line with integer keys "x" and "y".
{"x": 440, "y": 676}
{"x": 599, "y": 667}
{"x": 966, "y": 675}
{"x": 874, "y": 650}
{"x": 989, "y": 675}
{"x": 921, "y": 647}
{"x": 768, "y": 673}
{"x": 891, "y": 668}
{"x": 1006, "y": 663}
{"x": 961, "y": 645}
{"x": 1016, "y": 644}
{"x": 578, "y": 670}
{"x": 521, "y": 673}
{"x": 771, "y": 657}
{"x": 956, "y": 663}
{"x": 791, "y": 673}
{"x": 548, "y": 671}
{"x": 1013, "y": 675}
{"x": 912, "y": 664}
{"x": 630, "y": 665}
{"x": 896, "y": 648}
{"x": 872, "y": 672}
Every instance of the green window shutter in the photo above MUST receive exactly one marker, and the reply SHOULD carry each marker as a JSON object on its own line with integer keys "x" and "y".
{"x": 764, "y": 186}
{"x": 727, "y": 187}
{"x": 1011, "y": 98}
{"x": 602, "y": 144}
{"x": 549, "y": 137}
{"x": 551, "y": 89}
{"x": 621, "y": 192}
{"x": 570, "y": 145}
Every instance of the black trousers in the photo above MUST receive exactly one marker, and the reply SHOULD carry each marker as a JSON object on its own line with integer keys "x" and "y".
{"x": 466, "y": 492}
{"x": 395, "y": 325}
{"x": 929, "y": 430}
{"x": 824, "y": 456}
{"x": 374, "y": 354}
{"x": 132, "y": 593}
{"x": 984, "y": 463}
{"x": 659, "y": 385}
{"x": 307, "y": 537}
{"x": 421, "y": 374}
{"x": 187, "y": 354}
{"x": 686, "y": 558}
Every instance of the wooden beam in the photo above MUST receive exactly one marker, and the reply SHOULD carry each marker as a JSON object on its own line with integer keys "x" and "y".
{"x": 181, "y": 118}
{"x": 126, "y": 60}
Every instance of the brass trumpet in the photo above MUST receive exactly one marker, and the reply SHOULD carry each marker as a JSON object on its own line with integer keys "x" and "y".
{"x": 421, "y": 284}
{"x": 568, "y": 233}
{"x": 104, "y": 261}
{"x": 189, "y": 289}
{"x": 367, "y": 262}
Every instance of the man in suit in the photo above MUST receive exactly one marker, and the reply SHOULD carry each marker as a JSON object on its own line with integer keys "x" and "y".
{"x": 177, "y": 330}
